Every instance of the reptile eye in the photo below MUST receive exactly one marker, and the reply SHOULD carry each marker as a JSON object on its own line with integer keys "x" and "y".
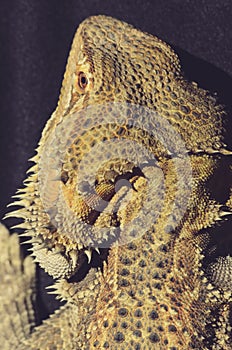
{"x": 82, "y": 80}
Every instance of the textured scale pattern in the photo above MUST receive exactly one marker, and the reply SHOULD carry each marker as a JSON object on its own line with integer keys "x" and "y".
{"x": 167, "y": 288}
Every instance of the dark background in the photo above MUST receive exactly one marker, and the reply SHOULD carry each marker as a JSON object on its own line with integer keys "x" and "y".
{"x": 35, "y": 38}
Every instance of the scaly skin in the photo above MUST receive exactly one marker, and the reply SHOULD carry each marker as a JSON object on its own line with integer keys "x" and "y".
{"x": 165, "y": 287}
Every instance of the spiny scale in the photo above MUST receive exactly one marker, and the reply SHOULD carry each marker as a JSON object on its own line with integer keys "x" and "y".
{"x": 155, "y": 291}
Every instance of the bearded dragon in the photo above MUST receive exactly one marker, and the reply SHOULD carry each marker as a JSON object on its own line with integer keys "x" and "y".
{"x": 124, "y": 176}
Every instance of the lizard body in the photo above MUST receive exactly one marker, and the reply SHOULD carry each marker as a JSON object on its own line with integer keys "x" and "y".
{"x": 156, "y": 288}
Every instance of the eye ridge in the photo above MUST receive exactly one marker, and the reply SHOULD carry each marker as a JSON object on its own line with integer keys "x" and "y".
{"x": 82, "y": 80}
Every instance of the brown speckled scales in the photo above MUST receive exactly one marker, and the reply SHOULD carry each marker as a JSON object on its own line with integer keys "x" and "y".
{"x": 166, "y": 288}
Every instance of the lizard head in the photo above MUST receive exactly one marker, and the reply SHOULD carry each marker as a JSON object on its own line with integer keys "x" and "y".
{"x": 123, "y": 85}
